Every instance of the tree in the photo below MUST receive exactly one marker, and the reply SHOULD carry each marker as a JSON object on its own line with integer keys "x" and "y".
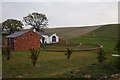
{"x": 101, "y": 57}
{"x": 38, "y": 21}
{"x": 68, "y": 54}
{"x": 12, "y": 25}
{"x": 34, "y": 55}
{"x": 6, "y": 51}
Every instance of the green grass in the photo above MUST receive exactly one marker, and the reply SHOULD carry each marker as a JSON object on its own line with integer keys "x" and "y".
{"x": 48, "y": 64}
{"x": 56, "y": 65}
{"x": 106, "y": 36}
{"x": 52, "y": 65}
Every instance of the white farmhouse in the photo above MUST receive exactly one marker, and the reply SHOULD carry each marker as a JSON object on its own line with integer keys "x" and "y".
{"x": 48, "y": 38}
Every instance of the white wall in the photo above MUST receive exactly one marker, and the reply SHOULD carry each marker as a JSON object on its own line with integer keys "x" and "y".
{"x": 49, "y": 39}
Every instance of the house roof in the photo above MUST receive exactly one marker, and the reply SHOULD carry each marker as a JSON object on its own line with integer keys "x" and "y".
{"x": 39, "y": 33}
{"x": 43, "y": 33}
{"x": 48, "y": 34}
{"x": 16, "y": 34}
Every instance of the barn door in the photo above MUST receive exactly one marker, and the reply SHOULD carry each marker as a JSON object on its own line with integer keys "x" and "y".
{"x": 12, "y": 44}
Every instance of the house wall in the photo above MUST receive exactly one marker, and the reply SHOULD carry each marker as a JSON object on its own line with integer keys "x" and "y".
{"x": 47, "y": 39}
{"x": 26, "y": 41}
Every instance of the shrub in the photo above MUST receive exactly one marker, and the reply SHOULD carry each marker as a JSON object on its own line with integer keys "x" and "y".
{"x": 117, "y": 48}
{"x": 101, "y": 57}
{"x": 34, "y": 55}
{"x": 118, "y": 63}
{"x": 6, "y": 51}
{"x": 68, "y": 54}
{"x": 3, "y": 50}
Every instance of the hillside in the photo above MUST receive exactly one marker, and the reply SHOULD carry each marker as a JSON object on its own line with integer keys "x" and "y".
{"x": 108, "y": 31}
{"x": 71, "y": 32}
{"x": 104, "y": 33}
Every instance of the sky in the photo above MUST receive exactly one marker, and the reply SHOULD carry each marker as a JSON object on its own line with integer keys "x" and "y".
{"x": 64, "y": 14}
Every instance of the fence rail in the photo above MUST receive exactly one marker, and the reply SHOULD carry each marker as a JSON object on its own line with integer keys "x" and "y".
{"x": 77, "y": 50}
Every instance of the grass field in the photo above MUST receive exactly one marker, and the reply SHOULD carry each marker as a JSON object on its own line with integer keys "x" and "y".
{"x": 56, "y": 65}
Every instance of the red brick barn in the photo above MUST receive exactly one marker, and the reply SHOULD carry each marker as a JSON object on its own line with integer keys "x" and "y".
{"x": 22, "y": 41}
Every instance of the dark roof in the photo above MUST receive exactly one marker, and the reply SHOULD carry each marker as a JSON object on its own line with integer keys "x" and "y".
{"x": 41, "y": 37}
{"x": 43, "y": 33}
{"x": 16, "y": 34}
{"x": 22, "y": 32}
{"x": 48, "y": 34}
{"x": 39, "y": 33}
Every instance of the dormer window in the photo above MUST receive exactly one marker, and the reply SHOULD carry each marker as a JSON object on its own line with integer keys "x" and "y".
{"x": 53, "y": 39}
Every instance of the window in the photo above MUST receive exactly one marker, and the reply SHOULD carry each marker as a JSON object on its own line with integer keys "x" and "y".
{"x": 53, "y": 39}
{"x": 30, "y": 34}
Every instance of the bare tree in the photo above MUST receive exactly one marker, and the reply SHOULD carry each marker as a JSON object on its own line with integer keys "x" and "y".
{"x": 101, "y": 57}
{"x": 34, "y": 55}
{"x": 68, "y": 54}
{"x": 6, "y": 51}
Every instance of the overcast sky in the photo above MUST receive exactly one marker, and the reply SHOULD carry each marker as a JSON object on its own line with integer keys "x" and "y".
{"x": 63, "y": 14}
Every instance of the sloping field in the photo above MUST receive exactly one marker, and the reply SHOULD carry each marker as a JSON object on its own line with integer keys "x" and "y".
{"x": 106, "y": 32}
{"x": 70, "y": 32}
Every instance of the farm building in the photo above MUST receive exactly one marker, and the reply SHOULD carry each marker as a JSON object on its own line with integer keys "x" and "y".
{"x": 22, "y": 41}
{"x": 48, "y": 38}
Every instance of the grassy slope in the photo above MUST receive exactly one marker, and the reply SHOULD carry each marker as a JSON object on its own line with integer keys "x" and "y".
{"x": 52, "y": 64}
{"x": 48, "y": 65}
{"x": 106, "y": 36}
{"x": 71, "y": 32}
{"x": 107, "y": 32}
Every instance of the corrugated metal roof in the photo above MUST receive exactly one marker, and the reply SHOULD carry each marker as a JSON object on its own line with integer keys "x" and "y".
{"x": 16, "y": 34}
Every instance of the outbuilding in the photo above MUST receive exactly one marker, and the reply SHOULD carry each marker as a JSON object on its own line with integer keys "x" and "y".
{"x": 22, "y": 41}
{"x": 48, "y": 38}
